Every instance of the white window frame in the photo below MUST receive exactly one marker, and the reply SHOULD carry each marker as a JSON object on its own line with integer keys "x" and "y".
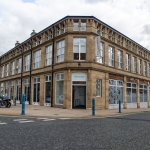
{"x": 13, "y": 68}
{"x": 120, "y": 61}
{"x": 37, "y": 59}
{"x": 134, "y": 64}
{"x": 99, "y": 93}
{"x": 7, "y": 70}
{"x": 60, "y": 51}
{"x": 127, "y": 62}
{"x": 59, "y": 77}
{"x": 2, "y": 75}
{"x": 78, "y": 42}
{"x": 27, "y": 62}
{"x": 99, "y": 51}
{"x": 110, "y": 56}
{"x": 48, "y": 52}
{"x": 19, "y": 65}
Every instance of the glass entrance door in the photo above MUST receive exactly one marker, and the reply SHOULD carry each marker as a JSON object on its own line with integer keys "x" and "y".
{"x": 18, "y": 91}
{"x": 36, "y": 95}
{"x": 48, "y": 90}
{"x": 79, "y": 96}
{"x": 115, "y": 93}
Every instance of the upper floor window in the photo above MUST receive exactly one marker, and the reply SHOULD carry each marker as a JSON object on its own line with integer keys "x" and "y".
{"x": 37, "y": 59}
{"x": 19, "y": 65}
{"x": 149, "y": 69}
{"x": 48, "y": 60}
{"x": 134, "y": 64}
{"x": 128, "y": 62}
{"x": 119, "y": 59}
{"x": 2, "y": 70}
{"x": 60, "y": 51}
{"x": 13, "y": 68}
{"x": 79, "y": 48}
{"x": 79, "y": 26}
{"x": 140, "y": 66}
{"x": 99, "y": 51}
{"x": 111, "y": 56}
{"x": 7, "y": 70}
{"x": 27, "y": 62}
{"x": 145, "y": 68}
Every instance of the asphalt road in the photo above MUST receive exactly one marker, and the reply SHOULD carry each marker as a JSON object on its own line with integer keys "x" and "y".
{"x": 130, "y": 132}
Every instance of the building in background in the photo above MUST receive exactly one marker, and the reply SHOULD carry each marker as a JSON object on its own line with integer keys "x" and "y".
{"x": 73, "y": 60}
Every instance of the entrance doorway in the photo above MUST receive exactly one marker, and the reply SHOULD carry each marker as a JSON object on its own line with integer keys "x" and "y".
{"x": 79, "y": 90}
{"x": 79, "y": 96}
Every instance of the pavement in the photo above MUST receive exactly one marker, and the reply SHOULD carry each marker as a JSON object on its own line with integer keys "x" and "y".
{"x": 47, "y": 111}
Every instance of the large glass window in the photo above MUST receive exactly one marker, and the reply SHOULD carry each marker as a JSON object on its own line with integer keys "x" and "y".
{"x": 127, "y": 62}
{"x": 7, "y": 70}
{"x": 99, "y": 51}
{"x": 18, "y": 90}
{"x": 19, "y": 65}
{"x": 131, "y": 92}
{"x": 37, "y": 59}
{"x": 12, "y": 90}
{"x": 79, "y": 48}
{"x": 1, "y": 89}
{"x": 115, "y": 91}
{"x": 2, "y": 70}
{"x": 48, "y": 60}
{"x": 98, "y": 88}
{"x": 119, "y": 59}
{"x": 48, "y": 89}
{"x": 7, "y": 88}
{"x": 27, "y": 89}
{"x": 79, "y": 26}
{"x": 27, "y": 63}
{"x": 59, "y": 88}
{"x": 60, "y": 51}
{"x": 140, "y": 66}
{"x": 36, "y": 90}
{"x": 111, "y": 56}
{"x": 13, "y": 68}
{"x": 143, "y": 93}
{"x": 134, "y": 64}
{"x": 149, "y": 69}
{"x": 145, "y": 68}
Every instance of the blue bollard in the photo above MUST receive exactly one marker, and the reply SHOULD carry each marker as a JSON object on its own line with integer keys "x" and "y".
{"x": 119, "y": 106}
{"x": 15, "y": 101}
{"x": 23, "y": 105}
{"x": 93, "y": 107}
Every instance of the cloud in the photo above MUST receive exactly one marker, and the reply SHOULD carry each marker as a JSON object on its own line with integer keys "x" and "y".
{"x": 19, "y": 17}
{"x": 97, "y": 1}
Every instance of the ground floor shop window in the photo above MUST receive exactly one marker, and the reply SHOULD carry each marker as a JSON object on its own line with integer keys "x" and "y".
{"x": 1, "y": 88}
{"x": 27, "y": 89}
{"x": 48, "y": 89}
{"x": 18, "y": 90}
{"x": 12, "y": 90}
{"x": 59, "y": 88}
{"x": 115, "y": 91}
{"x": 7, "y": 89}
{"x": 143, "y": 93}
{"x": 36, "y": 90}
{"x": 98, "y": 88}
{"x": 131, "y": 92}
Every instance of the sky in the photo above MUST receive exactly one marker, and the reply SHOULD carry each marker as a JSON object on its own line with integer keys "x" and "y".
{"x": 19, "y": 17}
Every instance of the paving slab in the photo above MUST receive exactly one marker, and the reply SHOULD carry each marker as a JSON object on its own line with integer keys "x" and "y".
{"x": 47, "y": 111}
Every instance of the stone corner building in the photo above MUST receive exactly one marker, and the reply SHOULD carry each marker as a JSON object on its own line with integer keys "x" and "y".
{"x": 73, "y": 60}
